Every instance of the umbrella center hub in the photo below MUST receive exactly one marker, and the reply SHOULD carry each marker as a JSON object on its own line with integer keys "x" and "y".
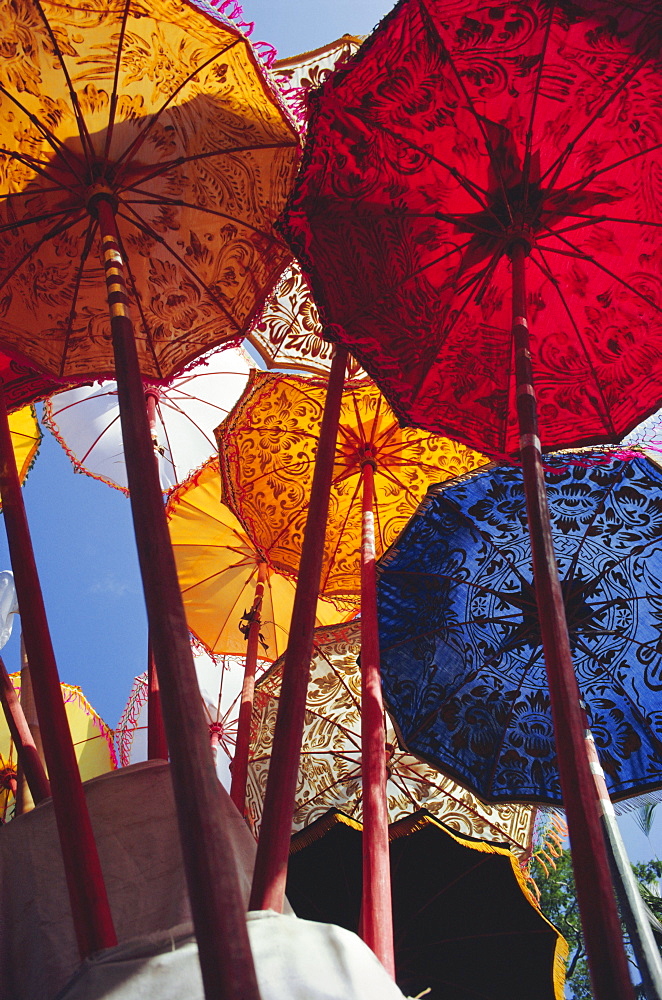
{"x": 579, "y": 613}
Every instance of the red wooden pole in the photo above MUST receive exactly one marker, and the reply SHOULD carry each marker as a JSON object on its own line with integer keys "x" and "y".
{"x": 87, "y": 893}
{"x": 600, "y": 922}
{"x": 240, "y": 761}
{"x": 28, "y": 755}
{"x": 270, "y": 875}
{"x": 218, "y": 912}
{"x": 376, "y": 908}
{"x": 157, "y": 745}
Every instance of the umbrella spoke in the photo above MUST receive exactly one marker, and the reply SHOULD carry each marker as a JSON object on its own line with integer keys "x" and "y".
{"x": 114, "y": 93}
{"x": 180, "y": 203}
{"x": 137, "y": 298}
{"x": 152, "y": 233}
{"x": 92, "y": 226}
{"x": 37, "y": 245}
{"x": 50, "y": 137}
{"x": 134, "y": 147}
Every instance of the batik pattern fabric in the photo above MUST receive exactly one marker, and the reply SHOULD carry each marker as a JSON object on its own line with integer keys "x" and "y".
{"x": 449, "y": 133}
{"x": 163, "y": 107}
{"x": 267, "y": 449}
{"x": 330, "y": 768}
{"x": 461, "y": 651}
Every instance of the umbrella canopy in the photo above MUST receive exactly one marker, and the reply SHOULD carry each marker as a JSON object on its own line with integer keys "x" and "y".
{"x": 220, "y": 679}
{"x": 330, "y": 768}
{"x": 26, "y": 438}
{"x": 462, "y": 657}
{"x": 86, "y": 420}
{"x": 218, "y": 566}
{"x": 447, "y": 137}
{"x": 465, "y": 924}
{"x": 92, "y": 739}
{"x": 298, "y": 75}
{"x": 267, "y": 448}
{"x": 165, "y": 112}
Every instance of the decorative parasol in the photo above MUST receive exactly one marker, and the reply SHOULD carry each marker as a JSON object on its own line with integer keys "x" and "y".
{"x": 465, "y": 922}
{"x": 452, "y": 162}
{"x": 229, "y": 587}
{"x": 267, "y": 447}
{"x": 298, "y": 75}
{"x": 220, "y": 678}
{"x": 330, "y": 766}
{"x": 86, "y": 420}
{"x": 154, "y": 139}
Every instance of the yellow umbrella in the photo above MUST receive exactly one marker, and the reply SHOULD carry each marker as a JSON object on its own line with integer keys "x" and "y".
{"x": 92, "y": 739}
{"x": 267, "y": 447}
{"x": 26, "y": 438}
{"x": 218, "y": 566}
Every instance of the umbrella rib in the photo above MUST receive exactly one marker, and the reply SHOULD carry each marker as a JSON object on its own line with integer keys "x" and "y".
{"x": 92, "y": 225}
{"x": 166, "y": 403}
{"x": 577, "y": 185}
{"x": 81, "y": 461}
{"x": 479, "y": 121}
{"x": 49, "y": 136}
{"x": 547, "y": 271}
{"x": 558, "y": 164}
{"x": 39, "y": 167}
{"x": 180, "y": 161}
{"x": 115, "y": 88}
{"x": 73, "y": 96}
{"x": 168, "y": 446}
{"x": 598, "y": 509}
{"x": 135, "y": 146}
{"x": 180, "y": 203}
{"x": 137, "y": 298}
{"x": 464, "y": 182}
{"x": 339, "y": 677}
{"x": 11, "y": 227}
{"x": 54, "y": 231}
{"x": 577, "y": 254}
{"x": 526, "y": 165}
{"x": 148, "y": 231}
{"x": 592, "y": 219}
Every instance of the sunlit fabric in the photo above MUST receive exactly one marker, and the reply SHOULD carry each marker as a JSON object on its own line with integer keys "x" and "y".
{"x": 217, "y": 566}
{"x": 166, "y": 108}
{"x": 26, "y": 438}
{"x": 465, "y": 923}
{"x": 451, "y": 129}
{"x": 268, "y": 445}
{"x": 330, "y": 767}
{"x": 86, "y": 420}
{"x": 462, "y": 660}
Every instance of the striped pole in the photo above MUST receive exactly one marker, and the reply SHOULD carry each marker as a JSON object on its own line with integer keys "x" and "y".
{"x": 216, "y": 902}
{"x": 597, "y": 905}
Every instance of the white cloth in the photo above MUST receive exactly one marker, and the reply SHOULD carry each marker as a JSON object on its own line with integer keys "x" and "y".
{"x": 133, "y": 816}
{"x": 294, "y": 960}
{"x": 8, "y": 605}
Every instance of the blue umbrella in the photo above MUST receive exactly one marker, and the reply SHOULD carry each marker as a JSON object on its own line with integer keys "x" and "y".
{"x": 462, "y": 659}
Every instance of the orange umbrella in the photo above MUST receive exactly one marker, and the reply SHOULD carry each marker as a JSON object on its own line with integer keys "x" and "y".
{"x": 380, "y": 473}
{"x": 149, "y": 138}
{"x": 230, "y": 589}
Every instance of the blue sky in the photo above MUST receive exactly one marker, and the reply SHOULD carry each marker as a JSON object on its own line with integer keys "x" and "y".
{"x": 82, "y": 530}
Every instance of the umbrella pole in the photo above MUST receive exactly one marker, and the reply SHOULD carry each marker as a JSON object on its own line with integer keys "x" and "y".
{"x": 635, "y": 913}
{"x": 376, "y": 908}
{"x": 270, "y": 875}
{"x": 28, "y": 755}
{"x": 90, "y": 909}
{"x": 597, "y": 905}
{"x": 157, "y": 745}
{"x": 216, "y": 902}
{"x": 24, "y": 800}
{"x": 240, "y": 761}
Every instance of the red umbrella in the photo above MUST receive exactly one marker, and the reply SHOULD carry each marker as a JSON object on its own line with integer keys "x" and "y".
{"x": 458, "y": 150}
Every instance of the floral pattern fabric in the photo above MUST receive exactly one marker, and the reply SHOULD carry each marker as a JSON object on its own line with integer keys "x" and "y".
{"x": 462, "y": 659}
{"x": 330, "y": 768}
{"x": 267, "y": 448}
{"x": 166, "y": 110}
{"x": 452, "y": 132}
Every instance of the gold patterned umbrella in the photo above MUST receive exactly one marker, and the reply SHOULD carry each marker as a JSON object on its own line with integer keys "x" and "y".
{"x": 164, "y": 110}
{"x": 330, "y": 768}
{"x": 267, "y": 448}
{"x": 218, "y": 568}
